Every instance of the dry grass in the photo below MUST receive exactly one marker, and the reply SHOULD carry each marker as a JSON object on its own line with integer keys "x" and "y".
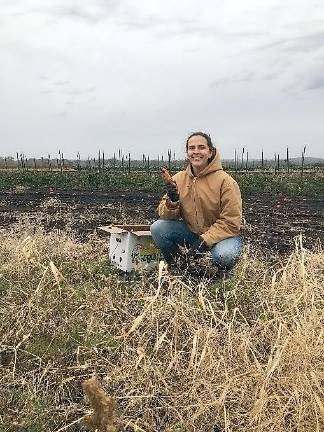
{"x": 243, "y": 354}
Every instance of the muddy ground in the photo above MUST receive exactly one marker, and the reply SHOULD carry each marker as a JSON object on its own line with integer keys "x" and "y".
{"x": 270, "y": 222}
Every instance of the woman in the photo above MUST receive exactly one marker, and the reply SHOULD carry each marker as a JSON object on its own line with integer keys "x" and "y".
{"x": 203, "y": 210}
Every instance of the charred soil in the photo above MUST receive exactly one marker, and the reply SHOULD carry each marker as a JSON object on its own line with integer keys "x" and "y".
{"x": 270, "y": 222}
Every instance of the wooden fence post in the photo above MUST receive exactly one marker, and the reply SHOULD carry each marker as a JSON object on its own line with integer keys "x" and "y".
{"x": 169, "y": 160}
{"x": 235, "y": 161}
{"x": 275, "y": 163}
{"x": 262, "y": 161}
{"x": 303, "y": 160}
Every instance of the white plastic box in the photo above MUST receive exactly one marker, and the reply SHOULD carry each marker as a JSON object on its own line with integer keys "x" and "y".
{"x": 131, "y": 247}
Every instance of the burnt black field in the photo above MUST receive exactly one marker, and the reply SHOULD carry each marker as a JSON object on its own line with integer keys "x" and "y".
{"x": 271, "y": 222}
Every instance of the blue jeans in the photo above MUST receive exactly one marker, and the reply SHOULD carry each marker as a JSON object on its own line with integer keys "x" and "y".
{"x": 170, "y": 234}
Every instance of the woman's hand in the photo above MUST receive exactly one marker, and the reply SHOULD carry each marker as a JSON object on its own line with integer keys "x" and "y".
{"x": 171, "y": 186}
{"x": 197, "y": 247}
{"x": 172, "y": 192}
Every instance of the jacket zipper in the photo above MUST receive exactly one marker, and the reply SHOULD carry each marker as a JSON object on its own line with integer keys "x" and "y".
{"x": 194, "y": 199}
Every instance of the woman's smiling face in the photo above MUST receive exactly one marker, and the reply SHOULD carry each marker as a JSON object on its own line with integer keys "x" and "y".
{"x": 198, "y": 153}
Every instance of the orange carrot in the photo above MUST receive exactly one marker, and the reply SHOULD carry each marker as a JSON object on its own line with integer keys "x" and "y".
{"x": 167, "y": 176}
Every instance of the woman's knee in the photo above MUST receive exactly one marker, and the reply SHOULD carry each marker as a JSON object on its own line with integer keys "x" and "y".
{"x": 155, "y": 227}
{"x": 227, "y": 252}
{"x": 225, "y": 261}
{"x": 158, "y": 227}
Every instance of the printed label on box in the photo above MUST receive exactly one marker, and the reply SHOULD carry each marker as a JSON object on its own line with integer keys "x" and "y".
{"x": 145, "y": 253}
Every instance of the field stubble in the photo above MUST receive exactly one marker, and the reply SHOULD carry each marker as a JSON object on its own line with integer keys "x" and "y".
{"x": 240, "y": 354}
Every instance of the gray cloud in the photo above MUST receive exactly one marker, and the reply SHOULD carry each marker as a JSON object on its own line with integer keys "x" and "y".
{"x": 80, "y": 92}
{"x": 61, "y": 83}
{"x": 77, "y": 13}
{"x": 91, "y": 13}
{"x": 302, "y": 43}
{"x": 243, "y": 77}
{"x": 141, "y": 75}
{"x": 173, "y": 26}
{"x": 316, "y": 82}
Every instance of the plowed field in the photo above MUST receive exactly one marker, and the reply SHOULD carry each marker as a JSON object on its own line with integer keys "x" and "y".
{"x": 270, "y": 222}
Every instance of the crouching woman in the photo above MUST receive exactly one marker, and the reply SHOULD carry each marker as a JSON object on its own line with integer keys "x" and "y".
{"x": 202, "y": 210}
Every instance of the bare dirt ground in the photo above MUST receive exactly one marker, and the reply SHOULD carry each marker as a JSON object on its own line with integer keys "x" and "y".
{"x": 270, "y": 222}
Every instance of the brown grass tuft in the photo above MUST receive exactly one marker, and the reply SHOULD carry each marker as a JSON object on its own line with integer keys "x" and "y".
{"x": 103, "y": 405}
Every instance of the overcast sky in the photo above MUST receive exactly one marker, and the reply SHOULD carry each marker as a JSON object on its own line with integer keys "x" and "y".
{"x": 140, "y": 76}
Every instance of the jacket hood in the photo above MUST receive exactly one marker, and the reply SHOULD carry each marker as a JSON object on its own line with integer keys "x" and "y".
{"x": 214, "y": 165}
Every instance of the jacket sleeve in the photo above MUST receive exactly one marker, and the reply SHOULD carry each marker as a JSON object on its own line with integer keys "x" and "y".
{"x": 167, "y": 210}
{"x": 229, "y": 222}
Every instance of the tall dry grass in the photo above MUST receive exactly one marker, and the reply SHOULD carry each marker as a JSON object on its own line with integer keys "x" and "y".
{"x": 242, "y": 354}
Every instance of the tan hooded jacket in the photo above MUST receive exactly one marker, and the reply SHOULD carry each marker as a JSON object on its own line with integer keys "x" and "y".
{"x": 210, "y": 203}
